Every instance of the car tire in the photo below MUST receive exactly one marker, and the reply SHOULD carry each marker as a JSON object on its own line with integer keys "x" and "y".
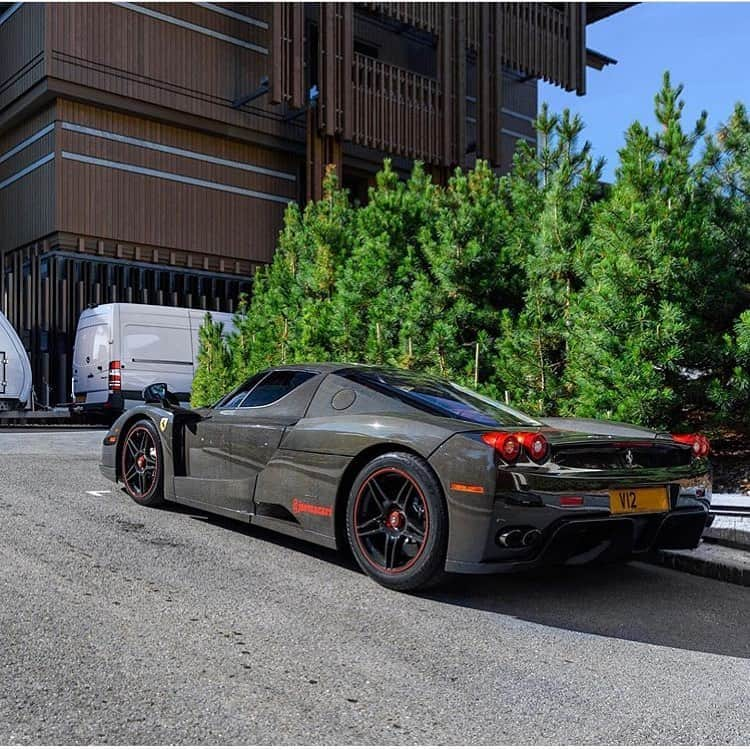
{"x": 397, "y": 522}
{"x": 142, "y": 464}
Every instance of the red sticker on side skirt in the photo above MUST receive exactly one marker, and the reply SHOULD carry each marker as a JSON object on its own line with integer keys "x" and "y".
{"x": 299, "y": 507}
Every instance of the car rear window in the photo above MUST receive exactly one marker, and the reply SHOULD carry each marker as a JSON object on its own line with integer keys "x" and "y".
{"x": 438, "y": 396}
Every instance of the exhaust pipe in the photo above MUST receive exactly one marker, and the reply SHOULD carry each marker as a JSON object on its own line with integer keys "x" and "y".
{"x": 512, "y": 538}
{"x": 530, "y": 538}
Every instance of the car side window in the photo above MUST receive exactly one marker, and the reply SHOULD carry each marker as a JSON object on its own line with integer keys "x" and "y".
{"x": 236, "y": 397}
{"x": 275, "y": 386}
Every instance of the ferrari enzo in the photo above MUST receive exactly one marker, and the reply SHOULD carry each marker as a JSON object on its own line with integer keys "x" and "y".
{"x": 415, "y": 474}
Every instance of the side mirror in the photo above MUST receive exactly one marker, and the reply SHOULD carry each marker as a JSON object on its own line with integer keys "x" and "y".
{"x": 158, "y": 393}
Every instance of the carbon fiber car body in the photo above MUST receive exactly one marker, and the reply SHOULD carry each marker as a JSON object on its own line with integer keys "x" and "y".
{"x": 289, "y": 466}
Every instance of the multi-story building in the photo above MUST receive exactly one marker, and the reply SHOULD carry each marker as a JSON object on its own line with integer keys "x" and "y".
{"x": 148, "y": 151}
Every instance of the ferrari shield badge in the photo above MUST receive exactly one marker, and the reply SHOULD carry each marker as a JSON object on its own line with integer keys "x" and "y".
{"x": 163, "y": 423}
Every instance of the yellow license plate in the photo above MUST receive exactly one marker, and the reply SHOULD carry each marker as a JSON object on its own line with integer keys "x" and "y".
{"x": 80, "y": 398}
{"x": 639, "y": 500}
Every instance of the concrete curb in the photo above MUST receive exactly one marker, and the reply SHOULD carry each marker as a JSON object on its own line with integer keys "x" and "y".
{"x": 731, "y": 531}
{"x": 710, "y": 561}
{"x": 724, "y": 553}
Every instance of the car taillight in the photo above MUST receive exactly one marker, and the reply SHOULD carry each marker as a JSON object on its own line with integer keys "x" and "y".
{"x": 115, "y": 377}
{"x": 509, "y": 444}
{"x": 700, "y": 445}
{"x": 504, "y": 443}
{"x": 536, "y": 445}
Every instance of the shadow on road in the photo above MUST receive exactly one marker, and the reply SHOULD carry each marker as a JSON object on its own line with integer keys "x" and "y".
{"x": 341, "y": 559}
{"x": 636, "y": 601}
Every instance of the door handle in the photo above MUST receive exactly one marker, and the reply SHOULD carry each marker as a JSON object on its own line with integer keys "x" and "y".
{"x": 90, "y": 375}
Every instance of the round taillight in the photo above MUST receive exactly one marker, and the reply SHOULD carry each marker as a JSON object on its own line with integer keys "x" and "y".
{"x": 510, "y": 447}
{"x": 537, "y": 447}
{"x": 504, "y": 443}
{"x": 705, "y": 446}
{"x": 698, "y": 443}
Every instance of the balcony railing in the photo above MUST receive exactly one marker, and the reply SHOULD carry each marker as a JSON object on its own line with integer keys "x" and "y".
{"x": 543, "y": 42}
{"x": 424, "y": 16}
{"x": 396, "y": 110}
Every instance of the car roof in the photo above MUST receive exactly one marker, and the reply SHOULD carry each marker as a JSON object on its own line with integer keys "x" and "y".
{"x": 327, "y": 368}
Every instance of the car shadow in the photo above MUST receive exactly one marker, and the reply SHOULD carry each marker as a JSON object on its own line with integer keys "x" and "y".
{"x": 342, "y": 559}
{"x": 631, "y": 601}
{"x": 634, "y": 601}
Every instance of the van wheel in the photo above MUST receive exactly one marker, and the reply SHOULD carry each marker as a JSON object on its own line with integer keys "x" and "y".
{"x": 142, "y": 465}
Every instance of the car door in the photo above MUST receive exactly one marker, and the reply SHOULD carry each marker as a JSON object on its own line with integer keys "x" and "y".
{"x": 211, "y": 479}
{"x": 258, "y": 424}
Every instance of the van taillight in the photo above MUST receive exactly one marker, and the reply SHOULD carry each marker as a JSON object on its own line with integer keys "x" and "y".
{"x": 115, "y": 378}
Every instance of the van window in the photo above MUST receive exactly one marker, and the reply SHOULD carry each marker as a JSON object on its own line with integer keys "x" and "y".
{"x": 157, "y": 345}
{"x": 92, "y": 342}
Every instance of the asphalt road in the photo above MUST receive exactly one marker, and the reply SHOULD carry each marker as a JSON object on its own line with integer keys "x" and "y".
{"x": 120, "y": 624}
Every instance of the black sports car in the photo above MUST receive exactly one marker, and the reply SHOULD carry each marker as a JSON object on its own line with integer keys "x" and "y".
{"x": 416, "y": 475}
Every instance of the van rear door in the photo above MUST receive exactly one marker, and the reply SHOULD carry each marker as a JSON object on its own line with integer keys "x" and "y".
{"x": 91, "y": 358}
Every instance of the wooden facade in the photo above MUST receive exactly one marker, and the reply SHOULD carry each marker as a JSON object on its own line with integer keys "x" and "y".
{"x": 148, "y": 151}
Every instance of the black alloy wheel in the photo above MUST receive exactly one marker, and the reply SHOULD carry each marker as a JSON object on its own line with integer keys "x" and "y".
{"x": 397, "y": 522}
{"x": 141, "y": 467}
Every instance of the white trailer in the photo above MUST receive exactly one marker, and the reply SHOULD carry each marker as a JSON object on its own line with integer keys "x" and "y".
{"x": 121, "y": 348}
{"x": 15, "y": 370}
{"x": 17, "y": 404}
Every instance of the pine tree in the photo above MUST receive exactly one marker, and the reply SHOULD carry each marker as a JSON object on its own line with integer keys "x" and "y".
{"x": 213, "y": 377}
{"x": 730, "y": 391}
{"x": 639, "y": 332}
{"x": 574, "y": 299}
{"x": 554, "y": 192}
{"x": 727, "y": 160}
{"x": 475, "y": 271}
{"x": 287, "y": 319}
{"x": 383, "y": 292}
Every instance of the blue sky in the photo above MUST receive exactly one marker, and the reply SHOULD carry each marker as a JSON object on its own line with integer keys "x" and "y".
{"x": 704, "y": 46}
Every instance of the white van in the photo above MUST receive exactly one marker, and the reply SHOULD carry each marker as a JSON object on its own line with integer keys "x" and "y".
{"x": 15, "y": 369}
{"x": 121, "y": 348}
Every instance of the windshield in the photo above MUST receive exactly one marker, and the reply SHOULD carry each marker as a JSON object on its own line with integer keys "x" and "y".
{"x": 441, "y": 397}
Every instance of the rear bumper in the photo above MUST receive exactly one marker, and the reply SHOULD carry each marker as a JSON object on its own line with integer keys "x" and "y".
{"x": 579, "y": 541}
{"x": 552, "y": 515}
{"x": 112, "y": 407}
